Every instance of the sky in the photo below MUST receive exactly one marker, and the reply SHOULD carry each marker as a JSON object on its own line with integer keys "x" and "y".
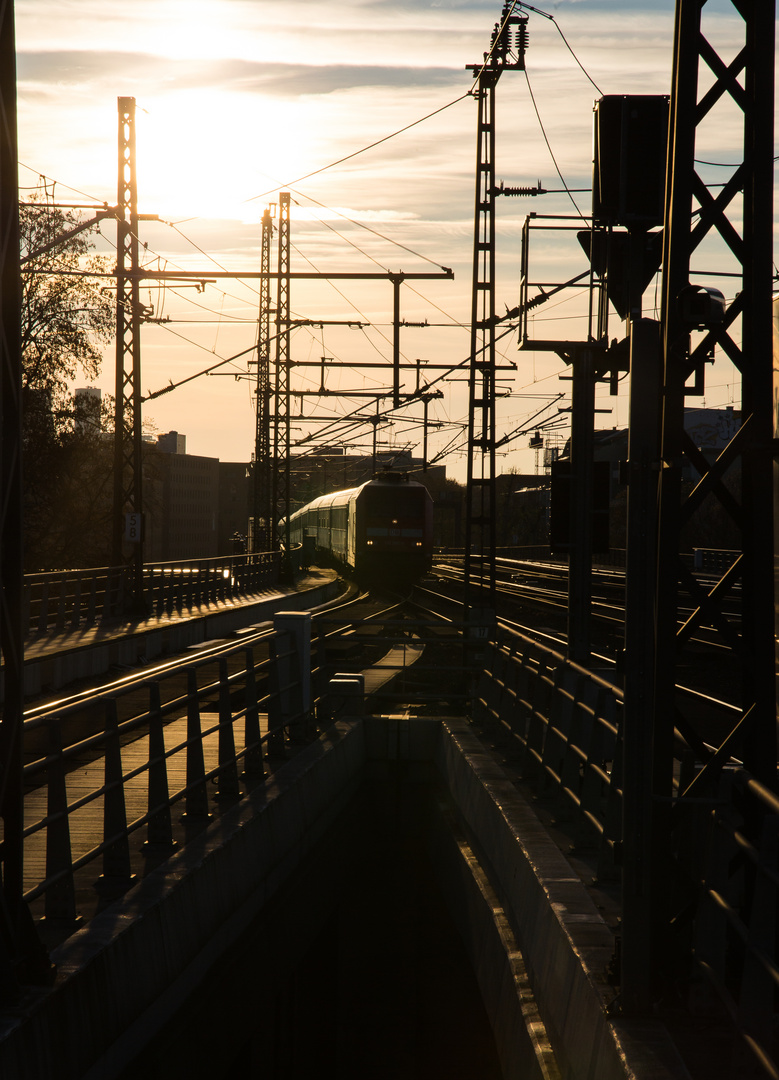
{"x": 361, "y": 109}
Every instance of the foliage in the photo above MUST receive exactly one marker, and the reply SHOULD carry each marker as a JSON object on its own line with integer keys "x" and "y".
{"x": 68, "y": 506}
{"x": 67, "y": 318}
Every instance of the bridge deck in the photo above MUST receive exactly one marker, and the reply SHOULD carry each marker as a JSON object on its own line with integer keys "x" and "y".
{"x": 88, "y": 635}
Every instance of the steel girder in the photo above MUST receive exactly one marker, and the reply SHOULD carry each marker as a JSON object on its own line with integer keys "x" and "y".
{"x": 715, "y": 224}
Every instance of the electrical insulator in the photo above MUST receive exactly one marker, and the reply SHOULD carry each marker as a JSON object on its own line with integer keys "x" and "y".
{"x": 521, "y": 37}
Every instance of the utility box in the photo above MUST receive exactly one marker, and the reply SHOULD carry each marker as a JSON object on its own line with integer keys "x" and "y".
{"x": 630, "y": 152}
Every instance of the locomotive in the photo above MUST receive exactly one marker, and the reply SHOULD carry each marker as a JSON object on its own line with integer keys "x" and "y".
{"x": 381, "y": 529}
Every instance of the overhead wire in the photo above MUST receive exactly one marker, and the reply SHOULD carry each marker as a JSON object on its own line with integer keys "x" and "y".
{"x": 553, "y": 20}
{"x": 357, "y": 153}
{"x": 367, "y": 228}
{"x": 549, "y": 147}
{"x": 362, "y": 150}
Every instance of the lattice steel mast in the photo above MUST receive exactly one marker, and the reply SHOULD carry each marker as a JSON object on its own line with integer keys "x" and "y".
{"x": 507, "y": 53}
{"x": 127, "y": 547}
{"x": 262, "y": 509}
{"x": 21, "y": 957}
{"x": 281, "y": 432}
{"x": 734, "y": 217}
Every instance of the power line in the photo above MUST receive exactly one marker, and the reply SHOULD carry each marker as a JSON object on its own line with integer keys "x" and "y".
{"x": 348, "y": 157}
{"x": 553, "y": 20}
{"x": 549, "y": 147}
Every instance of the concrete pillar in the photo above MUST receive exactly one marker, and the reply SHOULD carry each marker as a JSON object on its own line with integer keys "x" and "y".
{"x": 346, "y": 691}
{"x": 295, "y": 671}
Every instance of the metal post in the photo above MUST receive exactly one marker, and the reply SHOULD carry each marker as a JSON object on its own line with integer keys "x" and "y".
{"x": 737, "y": 219}
{"x": 128, "y": 432}
{"x": 396, "y": 283}
{"x": 638, "y": 726}
{"x": 506, "y": 53}
{"x": 11, "y": 522}
{"x": 480, "y": 481}
{"x": 580, "y": 560}
{"x": 281, "y": 436}
{"x": 21, "y": 958}
{"x": 262, "y": 509}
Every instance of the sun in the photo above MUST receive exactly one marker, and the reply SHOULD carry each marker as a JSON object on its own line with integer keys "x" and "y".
{"x": 209, "y": 154}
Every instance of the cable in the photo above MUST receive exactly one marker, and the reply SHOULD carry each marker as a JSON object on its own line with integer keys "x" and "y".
{"x": 356, "y": 153}
{"x": 197, "y": 247}
{"x": 84, "y": 194}
{"x": 348, "y": 301}
{"x": 549, "y": 148}
{"x": 552, "y": 19}
{"x": 367, "y": 228}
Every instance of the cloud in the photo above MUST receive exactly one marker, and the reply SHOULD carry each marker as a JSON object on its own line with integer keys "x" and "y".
{"x": 282, "y": 80}
{"x": 239, "y": 97}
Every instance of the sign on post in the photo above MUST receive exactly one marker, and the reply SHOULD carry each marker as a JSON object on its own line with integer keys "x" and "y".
{"x": 133, "y": 527}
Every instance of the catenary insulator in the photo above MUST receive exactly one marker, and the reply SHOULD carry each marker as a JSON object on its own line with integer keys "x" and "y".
{"x": 521, "y": 37}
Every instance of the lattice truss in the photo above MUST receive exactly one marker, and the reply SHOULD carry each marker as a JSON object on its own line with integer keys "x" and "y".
{"x": 506, "y": 53}
{"x": 128, "y": 460}
{"x": 731, "y": 234}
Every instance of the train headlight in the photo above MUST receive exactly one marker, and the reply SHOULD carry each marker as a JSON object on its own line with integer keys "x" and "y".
{"x": 369, "y": 543}
{"x": 419, "y": 543}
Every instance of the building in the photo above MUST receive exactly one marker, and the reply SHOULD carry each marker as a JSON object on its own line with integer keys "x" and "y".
{"x": 88, "y": 400}
{"x": 235, "y": 504}
{"x": 182, "y": 502}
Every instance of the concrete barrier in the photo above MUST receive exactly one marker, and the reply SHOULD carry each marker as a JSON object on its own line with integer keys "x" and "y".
{"x": 538, "y": 946}
{"x": 124, "y": 975}
{"x": 565, "y": 943}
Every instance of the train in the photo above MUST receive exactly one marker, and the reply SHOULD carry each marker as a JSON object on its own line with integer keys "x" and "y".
{"x": 381, "y": 530}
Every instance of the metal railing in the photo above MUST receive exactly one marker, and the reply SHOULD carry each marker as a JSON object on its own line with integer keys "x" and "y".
{"x": 95, "y": 780}
{"x": 562, "y": 726}
{"x": 733, "y": 848}
{"x": 69, "y": 599}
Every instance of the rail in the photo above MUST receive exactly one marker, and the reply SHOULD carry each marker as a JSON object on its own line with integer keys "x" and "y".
{"x": 69, "y": 599}
{"x": 562, "y": 725}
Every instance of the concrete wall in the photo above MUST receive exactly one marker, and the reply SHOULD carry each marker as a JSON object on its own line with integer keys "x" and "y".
{"x": 538, "y": 946}
{"x": 565, "y": 943}
{"x": 125, "y": 974}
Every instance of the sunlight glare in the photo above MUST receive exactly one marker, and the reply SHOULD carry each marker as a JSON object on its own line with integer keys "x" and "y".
{"x": 206, "y": 154}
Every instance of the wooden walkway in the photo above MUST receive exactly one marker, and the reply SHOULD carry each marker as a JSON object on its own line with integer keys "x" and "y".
{"x": 85, "y": 799}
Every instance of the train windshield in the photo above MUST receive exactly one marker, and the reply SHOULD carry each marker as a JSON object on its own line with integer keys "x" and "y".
{"x": 401, "y": 503}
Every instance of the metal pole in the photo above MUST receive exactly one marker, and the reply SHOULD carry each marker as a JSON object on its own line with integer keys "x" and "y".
{"x": 396, "y": 282}
{"x": 580, "y": 559}
{"x": 638, "y": 731}
{"x": 480, "y": 482}
{"x": 282, "y": 442}
{"x": 21, "y": 957}
{"x": 128, "y": 429}
{"x": 262, "y": 512}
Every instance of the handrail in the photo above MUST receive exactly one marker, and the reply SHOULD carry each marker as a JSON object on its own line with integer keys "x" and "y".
{"x": 562, "y": 726}
{"x": 166, "y": 750}
{"x": 68, "y": 599}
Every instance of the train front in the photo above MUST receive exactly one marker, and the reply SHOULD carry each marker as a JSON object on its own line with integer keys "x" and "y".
{"x": 393, "y": 529}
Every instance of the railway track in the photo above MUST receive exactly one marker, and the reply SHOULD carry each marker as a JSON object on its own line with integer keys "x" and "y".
{"x": 527, "y": 590}
{"x": 82, "y": 703}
